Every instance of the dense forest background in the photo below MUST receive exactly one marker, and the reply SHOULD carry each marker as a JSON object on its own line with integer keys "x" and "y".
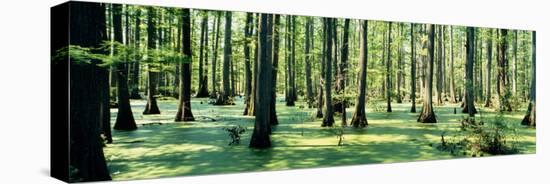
{"x": 121, "y": 53}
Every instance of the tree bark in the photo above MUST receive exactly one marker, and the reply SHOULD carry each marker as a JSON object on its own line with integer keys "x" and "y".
{"x": 309, "y": 86}
{"x": 87, "y": 29}
{"x": 248, "y": 73}
{"x": 260, "y": 135}
{"x": 203, "y": 43}
{"x": 134, "y": 82}
{"x": 469, "y": 67}
{"x": 359, "y": 119}
{"x": 502, "y": 87}
{"x": 251, "y": 104}
{"x": 290, "y": 101}
{"x": 413, "y": 71}
{"x": 151, "y": 107}
{"x": 184, "y": 106}
{"x": 452, "y": 72}
{"x": 427, "y": 115}
{"x": 515, "y": 64}
{"x": 343, "y": 69}
{"x": 125, "y": 118}
{"x": 399, "y": 65}
{"x": 328, "y": 119}
{"x": 275, "y": 35}
{"x": 530, "y": 118}
{"x": 223, "y": 98}
{"x": 488, "y": 100}
{"x": 215, "y": 54}
{"x": 322, "y": 73}
{"x": 388, "y": 71}
{"x": 439, "y": 71}
{"x": 293, "y": 57}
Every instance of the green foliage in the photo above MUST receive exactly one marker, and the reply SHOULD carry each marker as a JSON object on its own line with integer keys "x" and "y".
{"x": 234, "y": 133}
{"x": 496, "y": 137}
{"x": 116, "y": 52}
{"x": 78, "y": 55}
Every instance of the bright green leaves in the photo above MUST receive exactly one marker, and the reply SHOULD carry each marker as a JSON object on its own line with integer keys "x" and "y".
{"x": 111, "y": 53}
{"x": 78, "y": 55}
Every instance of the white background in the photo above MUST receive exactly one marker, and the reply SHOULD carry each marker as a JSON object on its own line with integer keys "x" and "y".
{"x": 24, "y": 91}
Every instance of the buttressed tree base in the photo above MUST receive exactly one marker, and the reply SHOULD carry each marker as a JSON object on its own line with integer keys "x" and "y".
{"x": 142, "y": 92}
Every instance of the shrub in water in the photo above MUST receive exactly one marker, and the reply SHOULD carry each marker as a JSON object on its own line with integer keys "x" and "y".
{"x": 476, "y": 139}
{"x": 235, "y": 133}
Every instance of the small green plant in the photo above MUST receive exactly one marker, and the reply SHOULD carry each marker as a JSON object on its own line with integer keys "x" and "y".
{"x": 234, "y": 133}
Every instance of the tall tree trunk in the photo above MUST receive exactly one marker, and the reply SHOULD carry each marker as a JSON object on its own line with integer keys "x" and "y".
{"x": 322, "y": 73}
{"x": 469, "y": 69}
{"x": 215, "y": 53}
{"x": 288, "y": 48}
{"x": 388, "y": 71}
{"x": 134, "y": 85}
{"x": 335, "y": 51}
{"x": 488, "y": 100}
{"x": 205, "y": 59}
{"x": 427, "y": 115}
{"x": 479, "y": 61}
{"x": 525, "y": 78}
{"x": 203, "y": 43}
{"x": 530, "y": 118}
{"x": 343, "y": 69}
{"x": 160, "y": 44}
{"x": 260, "y": 135}
{"x": 423, "y": 66}
{"x": 439, "y": 71}
{"x": 104, "y": 81}
{"x": 125, "y": 118}
{"x": 399, "y": 72}
{"x": 87, "y": 94}
{"x": 444, "y": 82}
{"x": 290, "y": 60}
{"x": 275, "y": 35}
{"x": 309, "y": 86}
{"x": 232, "y": 76}
{"x": 293, "y": 57}
{"x": 328, "y": 119}
{"x": 252, "y": 104}
{"x": 502, "y": 87}
{"x": 247, "y": 71}
{"x": 359, "y": 118}
{"x": 515, "y": 64}
{"x": 177, "y": 72}
{"x": 151, "y": 107}
{"x": 112, "y": 69}
{"x": 382, "y": 64}
{"x": 184, "y": 106}
{"x": 413, "y": 71}
{"x": 223, "y": 98}
{"x": 452, "y": 72}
